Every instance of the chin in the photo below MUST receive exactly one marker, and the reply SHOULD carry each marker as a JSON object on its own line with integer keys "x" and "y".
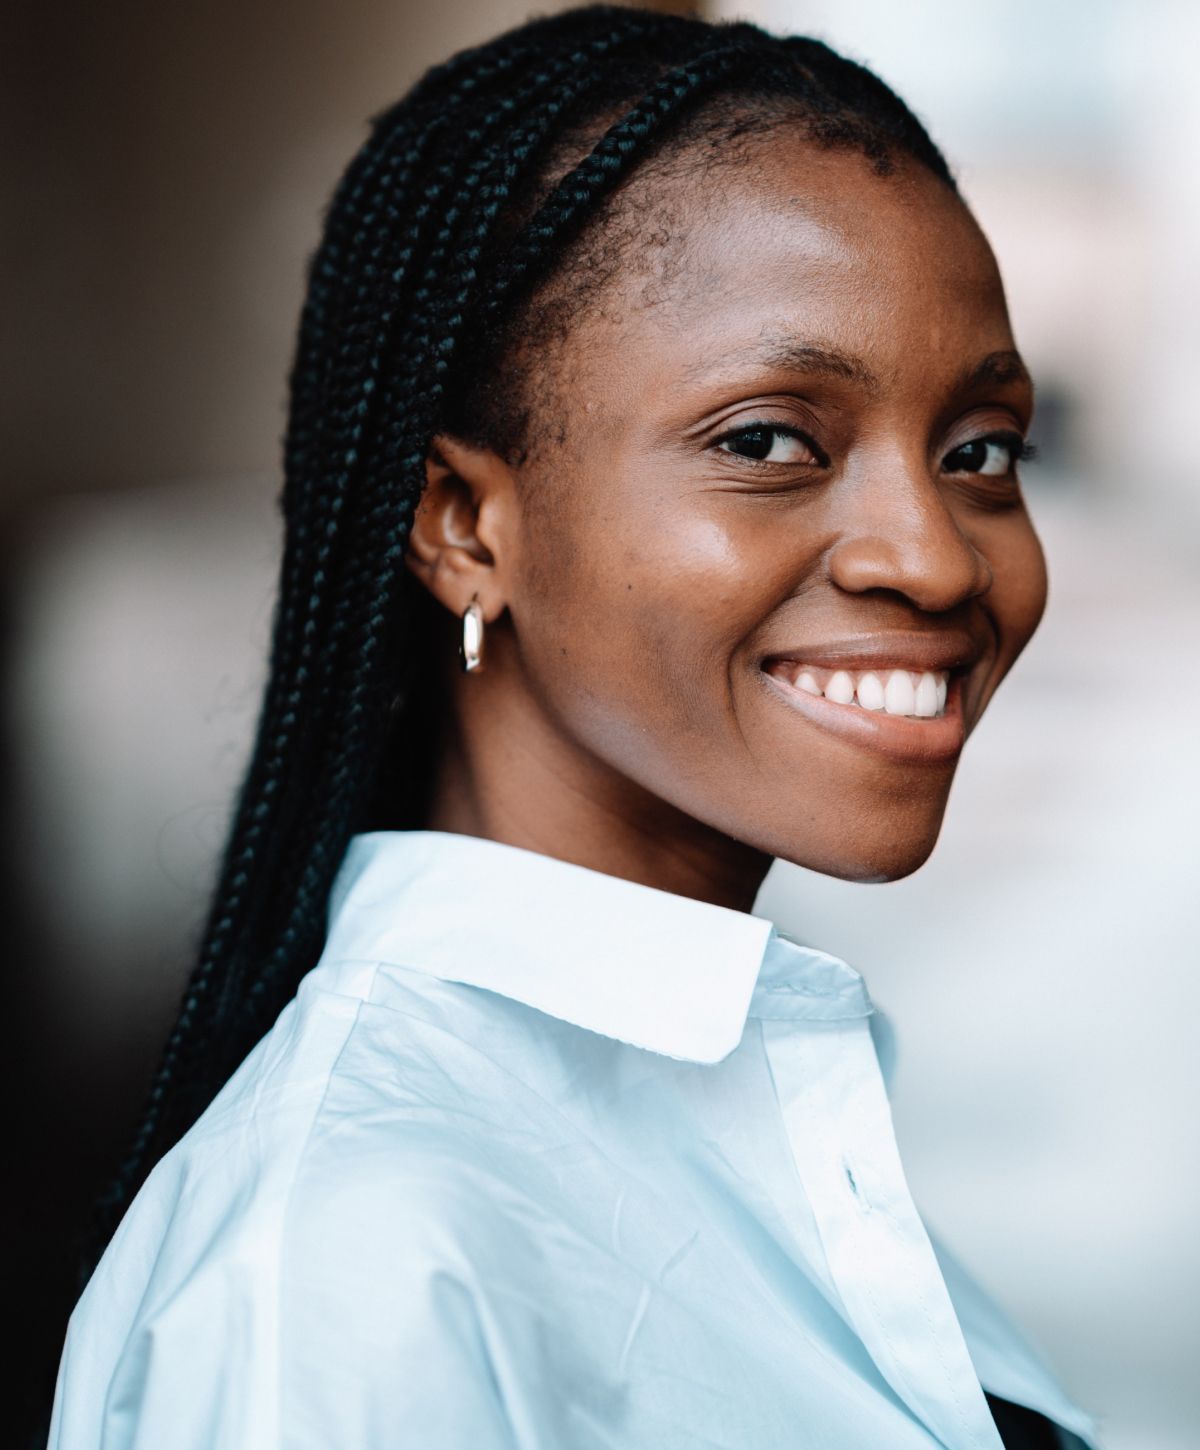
{"x": 889, "y": 857}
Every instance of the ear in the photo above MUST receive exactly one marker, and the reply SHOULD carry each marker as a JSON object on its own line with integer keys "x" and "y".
{"x": 458, "y": 543}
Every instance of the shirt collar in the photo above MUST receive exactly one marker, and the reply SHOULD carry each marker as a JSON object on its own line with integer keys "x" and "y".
{"x": 657, "y": 970}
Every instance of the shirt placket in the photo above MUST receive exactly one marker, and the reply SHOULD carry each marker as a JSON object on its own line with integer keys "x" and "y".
{"x": 838, "y": 1124}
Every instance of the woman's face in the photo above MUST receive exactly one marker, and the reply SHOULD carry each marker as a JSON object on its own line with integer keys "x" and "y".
{"x": 770, "y": 580}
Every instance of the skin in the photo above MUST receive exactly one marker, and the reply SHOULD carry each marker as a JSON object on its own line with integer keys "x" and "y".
{"x": 638, "y": 581}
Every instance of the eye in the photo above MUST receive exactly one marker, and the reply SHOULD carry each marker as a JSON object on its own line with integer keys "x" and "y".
{"x": 772, "y": 443}
{"x": 993, "y": 456}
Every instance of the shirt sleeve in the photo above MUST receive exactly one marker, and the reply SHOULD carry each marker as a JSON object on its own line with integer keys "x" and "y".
{"x": 364, "y": 1325}
{"x": 387, "y": 1336}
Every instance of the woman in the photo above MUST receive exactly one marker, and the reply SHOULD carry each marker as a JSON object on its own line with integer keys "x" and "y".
{"x": 655, "y": 371}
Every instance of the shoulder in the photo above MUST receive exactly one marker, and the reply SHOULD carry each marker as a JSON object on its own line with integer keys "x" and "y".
{"x": 386, "y": 1207}
{"x": 404, "y": 1303}
{"x": 305, "y": 1264}
{"x": 197, "y": 1235}
{"x": 358, "y": 1317}
{"x": 426, "y": 1200}
{"x": 355, "y": 1128}
{"x": 438, "y": 1144}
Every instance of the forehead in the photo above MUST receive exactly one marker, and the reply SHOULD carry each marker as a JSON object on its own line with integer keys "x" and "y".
{"x": 802, "y": 243}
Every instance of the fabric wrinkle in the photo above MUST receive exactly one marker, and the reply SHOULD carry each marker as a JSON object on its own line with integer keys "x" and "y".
{"x": 489, "y": 1181}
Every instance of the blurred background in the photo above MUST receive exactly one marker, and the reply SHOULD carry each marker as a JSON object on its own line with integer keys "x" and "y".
{"x": 165, "y": 172}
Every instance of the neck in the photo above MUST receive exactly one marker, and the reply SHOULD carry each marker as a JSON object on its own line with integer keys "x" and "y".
{"x": 506, "y": 774}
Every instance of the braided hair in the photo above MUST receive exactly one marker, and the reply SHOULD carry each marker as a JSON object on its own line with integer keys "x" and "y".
{"x": 469, "y": 198}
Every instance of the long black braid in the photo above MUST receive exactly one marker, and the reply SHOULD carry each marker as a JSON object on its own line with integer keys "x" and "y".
{"x": 448, "y": 220}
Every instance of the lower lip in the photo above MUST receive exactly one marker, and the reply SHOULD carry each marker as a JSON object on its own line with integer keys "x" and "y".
{"x": 902, "y": 738}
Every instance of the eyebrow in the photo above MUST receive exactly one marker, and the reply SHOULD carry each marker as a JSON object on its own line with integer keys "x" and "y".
{"x": 798, "y": 357}
{"x": 996, "y": 370}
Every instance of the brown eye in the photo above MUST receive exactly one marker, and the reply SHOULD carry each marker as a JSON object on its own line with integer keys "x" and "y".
{"x": 772, "y": 443}
{"x": 993, "y": 456}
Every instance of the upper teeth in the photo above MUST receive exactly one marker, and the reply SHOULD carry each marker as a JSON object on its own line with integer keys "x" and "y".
{"x": 896, "y": 692}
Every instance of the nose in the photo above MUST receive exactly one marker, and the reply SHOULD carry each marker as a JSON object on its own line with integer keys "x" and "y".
{"x": 900, "y": 535}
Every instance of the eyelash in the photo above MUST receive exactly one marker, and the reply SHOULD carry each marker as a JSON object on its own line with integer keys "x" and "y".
{"x": 1019, "y": 450}
{"x": 768, "y": 427}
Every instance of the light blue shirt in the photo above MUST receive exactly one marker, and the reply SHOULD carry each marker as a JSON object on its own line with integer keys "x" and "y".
{"x": 541, "y": 1159}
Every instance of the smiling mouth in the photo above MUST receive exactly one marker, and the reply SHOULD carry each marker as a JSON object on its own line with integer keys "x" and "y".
{"x": 909, "y": 711}
{"x": 890, "y": 690}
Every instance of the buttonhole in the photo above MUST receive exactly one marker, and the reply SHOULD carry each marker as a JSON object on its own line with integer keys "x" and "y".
{"x": 850, "y": 1179}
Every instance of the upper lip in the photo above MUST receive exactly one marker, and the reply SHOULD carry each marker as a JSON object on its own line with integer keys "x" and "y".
{"x": 900, "y": 649}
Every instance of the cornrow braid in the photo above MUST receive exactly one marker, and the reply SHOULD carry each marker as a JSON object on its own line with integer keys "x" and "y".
{"x": 459, "y": 206}
{"x": 357, "y": 374}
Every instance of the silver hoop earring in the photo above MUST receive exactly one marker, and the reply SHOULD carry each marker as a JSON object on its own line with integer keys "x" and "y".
{"x": 470, "y": 649}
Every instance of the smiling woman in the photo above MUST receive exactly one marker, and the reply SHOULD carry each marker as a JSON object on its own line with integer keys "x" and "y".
{"x": 795, "y": 467}
{"x": 656, "y": 372}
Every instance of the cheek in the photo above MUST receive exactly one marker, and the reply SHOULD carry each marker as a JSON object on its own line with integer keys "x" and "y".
{"x": 1018, "y": 594}
{"x": 648, "y": 617}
